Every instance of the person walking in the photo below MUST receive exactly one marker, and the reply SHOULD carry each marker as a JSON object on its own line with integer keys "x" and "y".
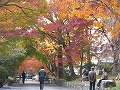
{"x": 42, "y": 74}
{"x": 92, "y": 78}
{"x": 23, "y": 77}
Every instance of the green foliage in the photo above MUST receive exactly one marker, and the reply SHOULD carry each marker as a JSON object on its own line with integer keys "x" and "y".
{"x": 110, "y": 84}
{"x": 9, "y": 44}
{"x": 14, "y": 50}
{"x": 12, "y": 60}
{"x": 108, "y": 67}
{"x": 117, "y": 86}
{"x": 10, "y": 80}
{"x": 31, "y": 51}
{"x": 88, "y": 65}
{"x": 40, "y": 56}
{"x": 3, "y": 74}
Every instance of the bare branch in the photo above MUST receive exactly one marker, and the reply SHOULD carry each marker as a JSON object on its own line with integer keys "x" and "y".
{"x": 18, "y": 7}
{"x": 4, "y": 3}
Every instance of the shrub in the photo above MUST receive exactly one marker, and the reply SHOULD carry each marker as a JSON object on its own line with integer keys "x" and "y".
{"x": 10, "y": 80}
{"x": 3, "y": 75}
{"x": 88, "y": 65}
{"x": 108, "y": 67}
{"x": 110, "y": 84}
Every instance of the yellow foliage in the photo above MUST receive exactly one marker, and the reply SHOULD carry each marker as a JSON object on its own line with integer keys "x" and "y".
{"x": 116, "y": 30}
{"x": 20, "y": 14}
{"x": 77, "y": 58}
{"x": 98, "y": 24}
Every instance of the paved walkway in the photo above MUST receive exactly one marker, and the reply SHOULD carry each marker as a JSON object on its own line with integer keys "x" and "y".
{"x": 33, "y": 85}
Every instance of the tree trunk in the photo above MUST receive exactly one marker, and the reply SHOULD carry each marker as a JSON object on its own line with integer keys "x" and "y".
{"x": 70, "y": 64}
{"x": 116, "y": 53}
{"x": 81, "y": 68}
{"x": 71, "y": 69}
{"x": 60, "y": 62}
{"x": 81, "y": 57}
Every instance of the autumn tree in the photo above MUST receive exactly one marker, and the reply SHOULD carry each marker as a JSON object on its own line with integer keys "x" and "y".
{"x": 30, "y": 65}
{"x": 64, "y": 22}
{"x": 106, "y": 19}
{"x": 20, "y": 13}
{"x": 105, "y": 15}
{"x": 11, "y": 45}
{"x": 62, "y": 27}
{"x": 17, "y": 16}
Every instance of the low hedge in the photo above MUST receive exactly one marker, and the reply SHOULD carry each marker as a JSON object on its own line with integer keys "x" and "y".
{"x": 3, "y": 75}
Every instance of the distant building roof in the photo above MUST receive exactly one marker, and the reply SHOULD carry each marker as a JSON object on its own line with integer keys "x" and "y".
{"x": 108, "y": 60}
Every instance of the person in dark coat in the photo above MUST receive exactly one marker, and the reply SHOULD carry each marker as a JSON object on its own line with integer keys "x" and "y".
{"x": 23, "y": 77}
{"x": 85, "y": 75}
{"x": 92, "y": 78}
{"x": 42, "y": 74}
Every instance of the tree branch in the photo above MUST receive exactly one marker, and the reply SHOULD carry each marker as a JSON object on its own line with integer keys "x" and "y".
{"x": 110, "y": 9}
{"x": 4, "y": 3}
{"x": 48, "y": 35}
{"x": 18, "y": 7}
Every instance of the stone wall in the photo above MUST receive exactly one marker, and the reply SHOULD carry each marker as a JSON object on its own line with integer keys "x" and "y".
{"x": 76, "y": 86}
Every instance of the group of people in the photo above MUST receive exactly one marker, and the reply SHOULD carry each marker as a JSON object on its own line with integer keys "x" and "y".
{"x": 42, "y": 74}
{"x": 92, "y": 78}
{"x": 91, "y": 75}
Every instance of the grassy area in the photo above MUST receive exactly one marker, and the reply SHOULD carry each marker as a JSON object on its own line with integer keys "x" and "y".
{"x": 117, "y": 85}
{"x": 111, "y": 77}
